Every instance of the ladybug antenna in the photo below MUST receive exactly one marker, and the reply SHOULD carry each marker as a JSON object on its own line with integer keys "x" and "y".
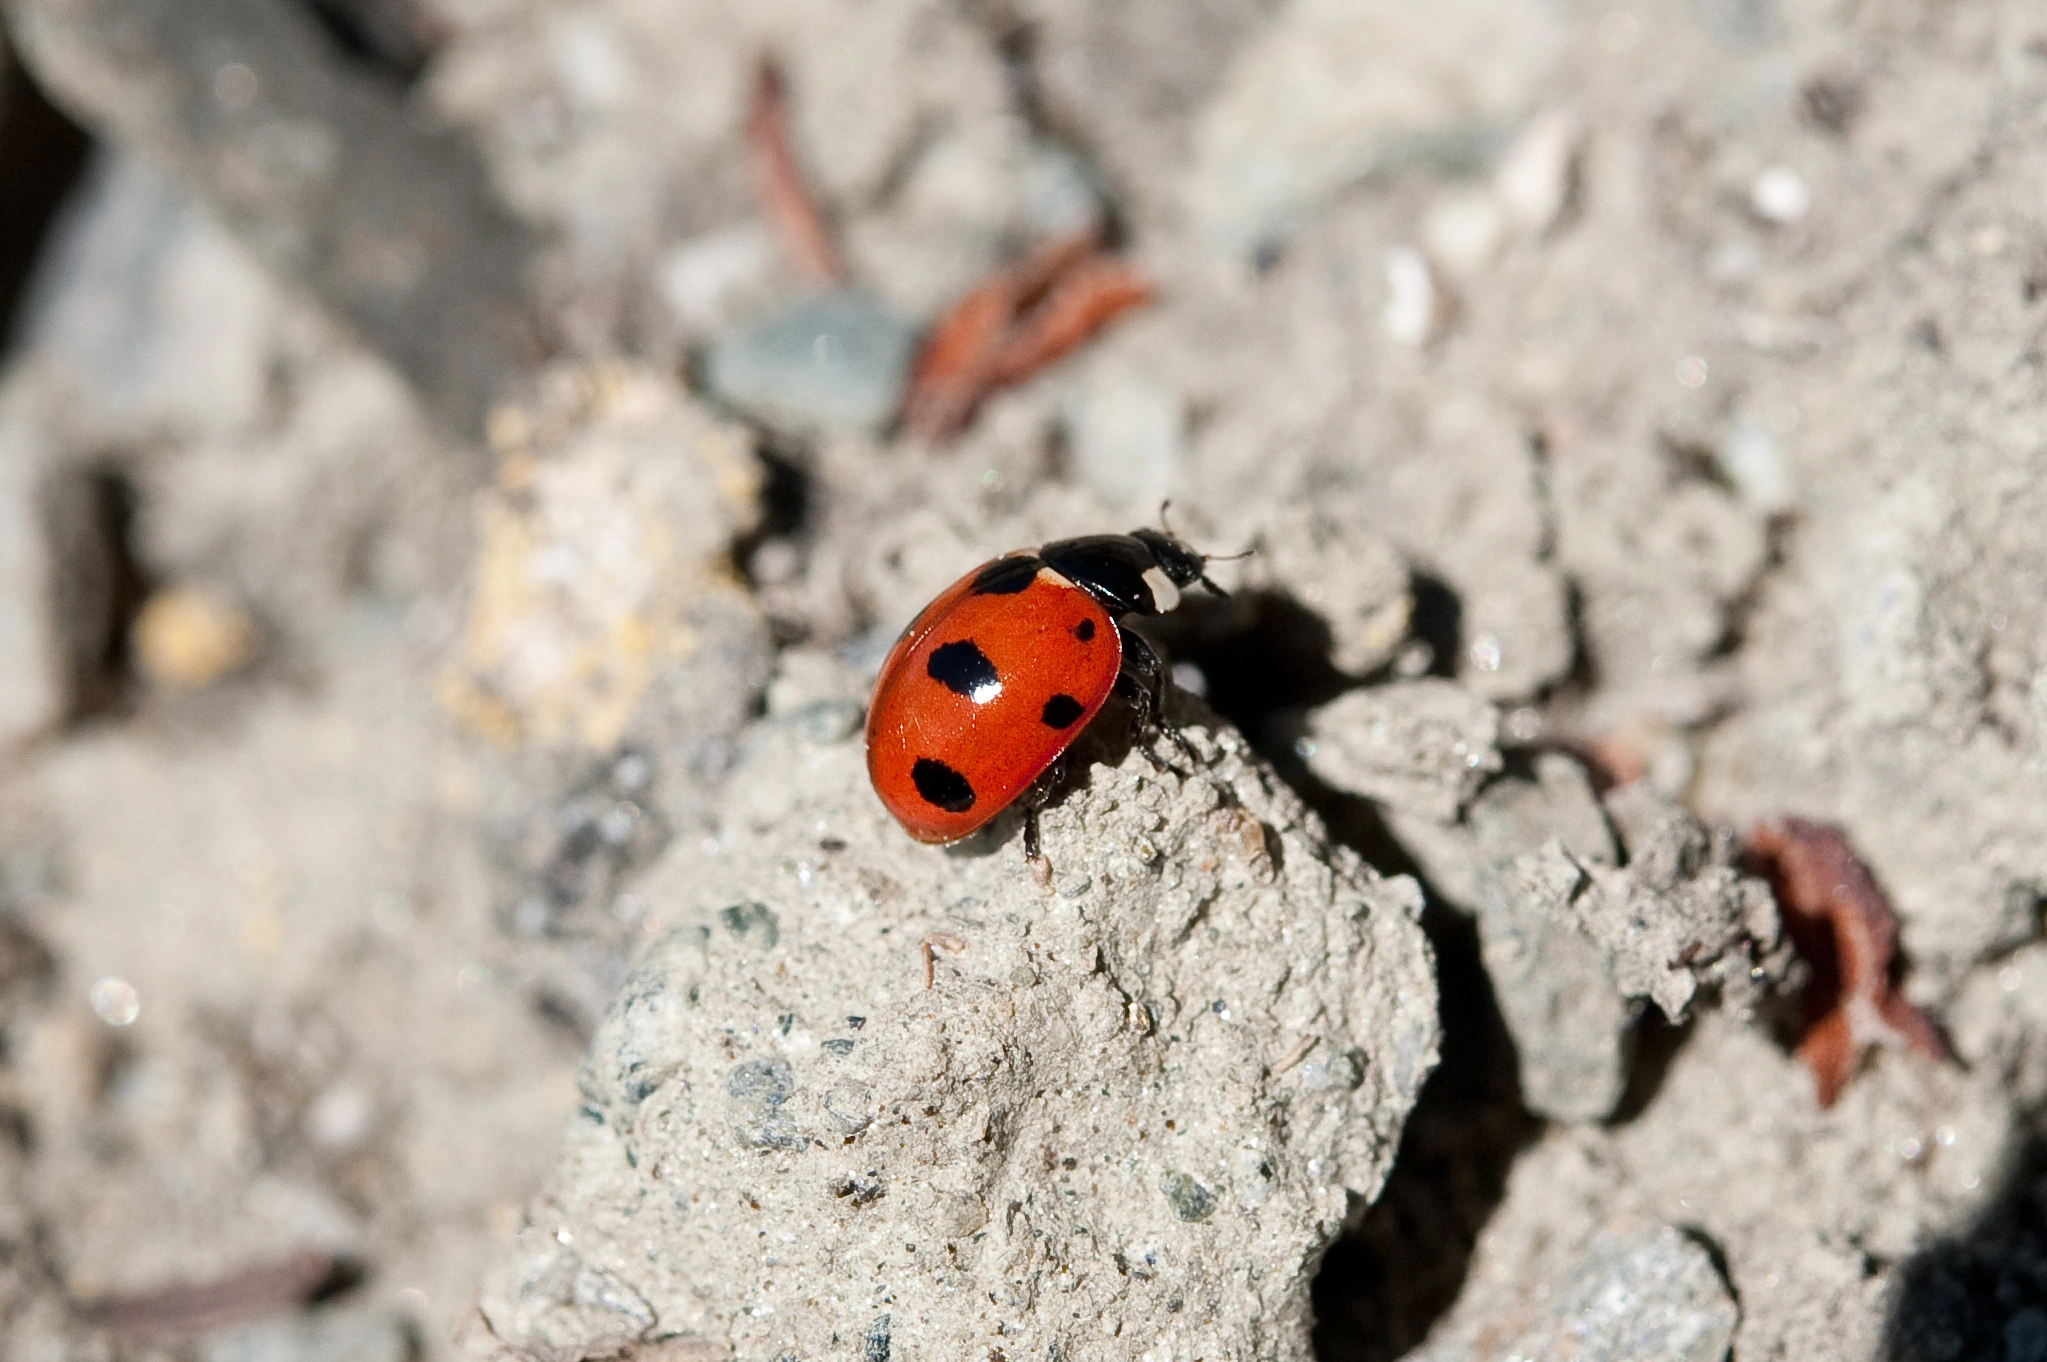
{"x": 1208, "y": 558}
{"x": 1164, "y": 523}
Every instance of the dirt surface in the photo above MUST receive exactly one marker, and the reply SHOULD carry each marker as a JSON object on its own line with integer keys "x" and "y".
{"x": 445, "y": 544}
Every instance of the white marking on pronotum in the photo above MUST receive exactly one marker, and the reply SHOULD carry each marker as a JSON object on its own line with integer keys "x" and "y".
{"x": 1164, "y": 595}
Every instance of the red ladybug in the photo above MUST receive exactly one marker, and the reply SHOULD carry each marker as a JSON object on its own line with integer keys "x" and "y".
{"x": 998, "y": 676}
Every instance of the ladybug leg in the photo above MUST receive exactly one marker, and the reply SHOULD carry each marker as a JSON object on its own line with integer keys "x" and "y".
{"x": 1144, "y": 680}
{"x": 1035, "y": 798}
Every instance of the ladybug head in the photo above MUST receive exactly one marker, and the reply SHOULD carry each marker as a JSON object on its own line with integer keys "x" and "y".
{"x": 1179, "y": 562}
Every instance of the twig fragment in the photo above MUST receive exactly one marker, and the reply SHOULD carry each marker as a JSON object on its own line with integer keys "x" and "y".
{"x": 938, "y": 941}
{"x": 778, "y": 178}
{"x": 1294, "y": 1056}
{"x": 197, "y": 1308}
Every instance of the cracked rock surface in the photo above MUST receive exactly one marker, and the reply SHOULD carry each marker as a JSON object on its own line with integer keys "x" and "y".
{"x": 856, "y": 1088}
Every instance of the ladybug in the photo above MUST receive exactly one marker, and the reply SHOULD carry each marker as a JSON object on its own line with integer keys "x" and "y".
{"x": 991, "y": 684}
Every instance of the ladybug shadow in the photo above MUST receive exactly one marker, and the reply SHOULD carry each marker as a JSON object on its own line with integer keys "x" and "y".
{"x": 1266, "y": 660}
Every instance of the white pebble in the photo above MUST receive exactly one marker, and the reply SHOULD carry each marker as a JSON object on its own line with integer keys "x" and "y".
{"x": 1413, "y": 305}
{"x": 1779, "y": 195}
{"x": 1533, "y": 180}
{"x": 340, "y": 1118}
{"x": 1749, "y": 458}
{"x": 115, "y": 1001}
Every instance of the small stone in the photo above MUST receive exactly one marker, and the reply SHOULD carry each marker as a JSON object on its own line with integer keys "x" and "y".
{"x": 1751, "y": 458}
{"x": 1421, "y": 746}
{"x": 833, "y": 363}
{"x": 341, "y": 1118}
{"x": 603, "y": 573}
{"x": 1188, "y": 1198}
{"x": 115, "y": 1001}
{"x": 191, "y": 636}
{"x": 753, "y": 922}
{"x": 1556, "y": 991}
{"x": 1653, "y": 1296}
{"x": 1416, "y": 310}
{"x": 1060, "y": 195}
{"x": 1779, "y": 195}
{"x": 1533, "y": 179}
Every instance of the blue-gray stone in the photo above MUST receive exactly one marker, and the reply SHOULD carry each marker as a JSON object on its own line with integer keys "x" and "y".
{"x": 834, "y": 362}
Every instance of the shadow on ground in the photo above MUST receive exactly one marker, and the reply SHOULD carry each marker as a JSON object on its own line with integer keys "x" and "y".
{"x": 1981, "y": 1295}
{"x": 1386, "y": 1283}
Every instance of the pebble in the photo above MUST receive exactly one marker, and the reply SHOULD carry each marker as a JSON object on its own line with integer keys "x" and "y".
{"x": 1533, "y": 179}
{"x": 1651, "y": 1296}
{"x": 32, "y": 684}
{"x": 836, "y": 363}
{"x": 1779, "y": 195}
{"x": 1423, "y": 746}
{"x": 1416, "y": 309}
{"x": 1751, "y": 458}
{"x": 190, "y": 636}
{"x": 1331, "y": 92}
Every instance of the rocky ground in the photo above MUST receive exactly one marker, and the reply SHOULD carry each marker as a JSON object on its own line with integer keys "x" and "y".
{"x": 446, "y": 543}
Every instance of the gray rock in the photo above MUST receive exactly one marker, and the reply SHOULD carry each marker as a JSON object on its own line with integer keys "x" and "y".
{"x": 1555, "y": 987}
{"x": 1572, "y": 938}
{"x": 835, "y": 363}
{"x": 32, "y": 684}
{"x": 1120, "y": 1112}
{"x": 392, "y": 224}
{"x": 1651, "y": 1296}
{"x": 1423, "y": 747}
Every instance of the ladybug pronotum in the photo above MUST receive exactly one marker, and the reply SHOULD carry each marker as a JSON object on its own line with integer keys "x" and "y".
{"x": 997, "y": 677}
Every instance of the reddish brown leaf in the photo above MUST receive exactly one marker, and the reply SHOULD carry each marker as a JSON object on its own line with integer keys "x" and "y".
{"x": 1014, "y": 323}
{"x": 1843, "y": 925}
{"x": 1084, "y": 300}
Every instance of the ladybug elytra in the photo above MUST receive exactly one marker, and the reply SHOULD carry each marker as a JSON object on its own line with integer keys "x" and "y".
{"x": 997, "y": 677}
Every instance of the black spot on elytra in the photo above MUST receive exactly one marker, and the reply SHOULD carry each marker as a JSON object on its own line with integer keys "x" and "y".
{"x": 941, "y": 785}
{"x": 1084, "y": 631}
{"x": 1007, "y": 576}
{"x": 962, "y": 668}
{"x": 1061, "y": 711}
